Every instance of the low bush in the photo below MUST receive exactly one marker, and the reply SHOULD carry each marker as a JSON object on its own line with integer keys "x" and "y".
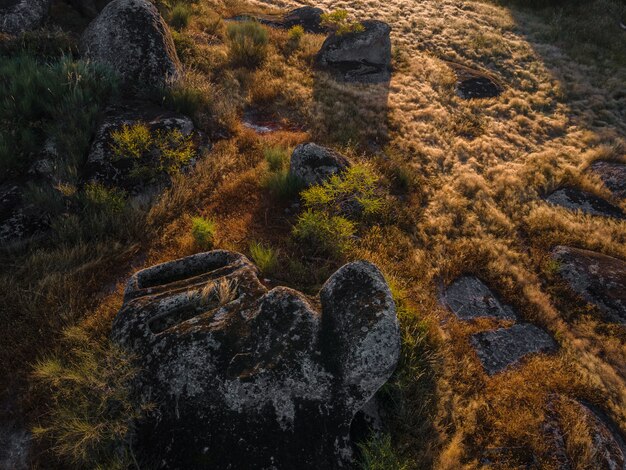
{"x": 323, "y": 233}
{"x": 203, "y": 232}
{"x": 91, "y": 416}
{"x": 180, "y": 15}
{"x": 247, "y": 44}
{"x": 277, "y": 158}
{"x": 340, "y": 22}
{"x": 265, "y": 257}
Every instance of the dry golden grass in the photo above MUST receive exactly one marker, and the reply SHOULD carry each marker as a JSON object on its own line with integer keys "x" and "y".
{"x": 477, "y": 171}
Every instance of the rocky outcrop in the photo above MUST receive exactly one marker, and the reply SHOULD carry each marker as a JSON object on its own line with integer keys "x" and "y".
{"x": 310, "y": 18}
{"x": 577, "y": 200}
{"x": 131, "y": 37}
{"x": 468, "y": 298}
{"x": 19, "y": 220}
{"x": 89, "y": 8}
{"x": 243, "y": 377}
{"x": 358, "y": 57}
{"x": 18, "y": 16}
{"x": 504, "y": 347}
{"x": 597, "y": 278}
{"x": 472, "y": 83}
{"x": 107, "y": 168}
{"x": 313, "y": 164}
{"x": 613, "y": 175}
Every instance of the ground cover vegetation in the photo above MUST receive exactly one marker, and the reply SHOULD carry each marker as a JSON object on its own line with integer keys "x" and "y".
{"x": 441, "y": 187}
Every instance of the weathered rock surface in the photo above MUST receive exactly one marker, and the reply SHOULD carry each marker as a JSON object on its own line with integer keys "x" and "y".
{"x": 102, "y": 166}
{"x": 475, "y": 84}
{"x": 504, "y": 347}
{"x": 358, "y": 57}
{"x": 313, "y": 164}
{"x": 249, "y": 378}
{"x": 468, "y": 298}
{"x": 89, "y": 8}
{"x": 597, "y": 278}
{"x": 613, "y": 175}
{"x": 131, "y": 37}
{"x": 15, "y": 445}
{"x": 310, "y": 18}
{"x": 577, "y": 200}
{"x": 18, "y": 16}
{"x": 18, "y": 220}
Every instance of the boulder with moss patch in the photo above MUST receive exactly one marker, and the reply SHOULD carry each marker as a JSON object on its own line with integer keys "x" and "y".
{"x": 243, "y": 377}
{"x": 131, "y": 37}
{"x": 363, "y": 56}
{"x": 313, "y": 164}
{"x": 18, "y": 16}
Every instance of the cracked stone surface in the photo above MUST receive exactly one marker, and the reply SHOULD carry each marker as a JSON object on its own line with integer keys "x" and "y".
{"x": 468, "y": 298}
{"x": 613, "y": 175}
{"x": 597, "y": 278}
{"x": 243, "y": 377}
{"x": 131, "y": 37}
{"x": 363, "y": 57}
{"x": 575, "y": 199}
{"x": 502, "y": 348}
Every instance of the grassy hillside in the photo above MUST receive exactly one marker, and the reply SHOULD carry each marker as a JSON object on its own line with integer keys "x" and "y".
{"x": 455, "y": 186}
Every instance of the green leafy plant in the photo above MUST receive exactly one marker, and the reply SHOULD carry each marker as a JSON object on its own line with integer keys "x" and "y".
{"x": 131, "y": 141}
{"x": 324, "y": 233}
{"x": 340, "y": 23}
{"x": 247, "y": 43}
{"x": 203, "y": 232}
{"x": 265, "y": 257}
{"x": 91, "y": 416}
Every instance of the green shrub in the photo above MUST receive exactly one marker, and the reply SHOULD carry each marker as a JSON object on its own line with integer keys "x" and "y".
{"x": 265, "y": 257}
{"x": 91, "y": 415}
{"x": 247, "y": 43}
{"x": 379, "y": 454}
{"x": 340, "y": 23}
{"x": 331, "y": 235}
{"x": 137, "y": 142}
{"x": 57, "y": 100}
{"x": 294, "y": 35}
{"x": 282, "y": 184}
{"x": 180, "y": 15}
{"x": 203, "y": 232}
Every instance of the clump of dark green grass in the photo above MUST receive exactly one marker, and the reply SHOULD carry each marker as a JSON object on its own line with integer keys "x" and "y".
{"x": 180, "y": 15}
{"x": 247, "y": 44}
{"x": 203, "y": 231}
{"x": 265, "y": 258}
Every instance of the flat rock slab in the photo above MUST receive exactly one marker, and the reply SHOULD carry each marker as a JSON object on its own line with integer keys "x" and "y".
{"x": 504, "y": 347}
{"x": 577, "y": 200}
{"x": 468, "y": 298}
{"x": 475, "y": 84}
{"x": 597, "y": 278}
{"x": 613, "y": 175}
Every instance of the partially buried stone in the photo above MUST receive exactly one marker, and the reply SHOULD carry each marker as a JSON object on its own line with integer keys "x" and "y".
{"x": 468, "y": 298}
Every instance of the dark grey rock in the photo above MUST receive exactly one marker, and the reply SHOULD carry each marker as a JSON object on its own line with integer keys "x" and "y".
{"x": 313, "y": 164}
{"x": 577, "y": 200}
{"x": 101, "y": 165}
{"x": 15, "y": 446}
{"x": 613, "y": 175}
{"x": 358, "y": 57}
{"x": 468, "y": 298}
{"x": 249, "y": 378}
{"x": 504, "y": 347}
{"x": 131, "y": 37}
{"x": 310, "y": 18}
{"x": 89, "y": 8}
{"x": 597, "y": 278}
{"x": 18, "y": 219}
{"x": 18, "y": 16}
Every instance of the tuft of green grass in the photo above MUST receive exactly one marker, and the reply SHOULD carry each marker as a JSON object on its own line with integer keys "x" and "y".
{"x": 379, "y": 454}
{"x": 323, "y": 233}
{"x": 265, "y": 257}
{"x": 283, "y": 185}
{"x": 277, "y": 158}
{"x": 340, "y": 22}
{"x": 203, "y": 231}
{"x": 247, "y": 44}
{"x": 91, "y": 415}
{"x": 180, "y": 15}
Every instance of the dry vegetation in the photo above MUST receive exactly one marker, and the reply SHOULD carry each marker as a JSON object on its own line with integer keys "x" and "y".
{"x": 462, "y": 183}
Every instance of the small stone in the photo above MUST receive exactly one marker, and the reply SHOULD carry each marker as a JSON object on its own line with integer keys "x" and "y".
{"x": 577, "y": 200}
{"x": 313, "y": 164}
{"x": 468, "y": 298}
{"x": 599, "y": 279}
{"x": 505, "y": 347}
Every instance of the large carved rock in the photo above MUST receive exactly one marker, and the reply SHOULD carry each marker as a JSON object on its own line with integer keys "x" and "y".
{"x": 597, "y": 278}
{"x": 359, "y": 57}
{"x": 243, "y": 377}
{"x": 313, "y": 164}
{"x": 17, "y": 16}
{"x": 131, "y": 37}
